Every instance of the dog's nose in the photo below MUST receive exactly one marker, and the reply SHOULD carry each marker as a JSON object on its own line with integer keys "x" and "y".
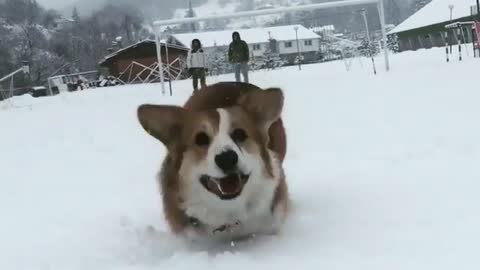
{"x": 227, "y": 160}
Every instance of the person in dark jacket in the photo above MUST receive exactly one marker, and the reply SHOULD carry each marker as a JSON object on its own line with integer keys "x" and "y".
{"x": 197, "y": 64}
{"x": 239, "y": 55}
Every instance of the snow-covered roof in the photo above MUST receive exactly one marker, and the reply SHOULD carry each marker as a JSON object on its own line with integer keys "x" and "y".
{"x": 435, "y": 12}
{"x": 323, "y": 28}
{"x": 251, "y": 36}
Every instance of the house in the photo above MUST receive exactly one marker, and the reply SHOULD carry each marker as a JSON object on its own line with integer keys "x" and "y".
{"x": 324, "y": 31}
{"x": 426, "y": 28}
{"x": 61, "y": 23}
{"x": 281, "y": 40}
{"x": 137, "y": 61}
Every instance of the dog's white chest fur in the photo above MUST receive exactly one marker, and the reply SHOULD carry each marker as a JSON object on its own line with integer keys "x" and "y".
{"x": 249, "y": 213}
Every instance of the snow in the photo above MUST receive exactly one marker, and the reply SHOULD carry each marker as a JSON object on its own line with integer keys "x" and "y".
{"x": 435, "y": 12}
{"x": 214, "y": 7}
{"x": 207, "y": 8}
{"x": 383, "y": 174}
{"x": 323, "y": 28}
{"x": 251, "y": 36}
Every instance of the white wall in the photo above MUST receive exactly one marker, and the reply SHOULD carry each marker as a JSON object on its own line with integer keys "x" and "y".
{"x": 261, "y": 51}
{"x": 281, "y": 47}
{"x": 283, "y": 50}
{"x": 303, "y": 48}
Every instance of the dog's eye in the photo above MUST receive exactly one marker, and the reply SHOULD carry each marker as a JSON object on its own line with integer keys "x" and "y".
{"x": 239, "y": 135}
{"x": 202, "y": 139}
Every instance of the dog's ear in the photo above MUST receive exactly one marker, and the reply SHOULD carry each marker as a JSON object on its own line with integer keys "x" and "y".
{"x": 165, "y": 123}
{"x": 264, "y": 105}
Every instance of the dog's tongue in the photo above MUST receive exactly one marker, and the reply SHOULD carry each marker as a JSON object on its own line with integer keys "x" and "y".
{"x": 230, "y": 184}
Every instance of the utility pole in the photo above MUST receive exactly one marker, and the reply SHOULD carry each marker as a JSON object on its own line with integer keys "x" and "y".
{"x": 191, "y": 14}
{"x": 298, "y": 49}
{"x": 478, "y": 8}
{"x": 364, "y": 14}
{"x": 453, "y": 32}
{"x": 475, "y": 29}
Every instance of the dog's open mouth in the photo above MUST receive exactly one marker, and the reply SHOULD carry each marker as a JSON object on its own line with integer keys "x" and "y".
{"x": 226, "y": 188}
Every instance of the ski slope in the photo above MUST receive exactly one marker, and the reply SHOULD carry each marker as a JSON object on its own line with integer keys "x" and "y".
{"x": 383, "y": 173}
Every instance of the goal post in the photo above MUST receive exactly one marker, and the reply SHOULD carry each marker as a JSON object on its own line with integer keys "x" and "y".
{"x": 346, "y": 3}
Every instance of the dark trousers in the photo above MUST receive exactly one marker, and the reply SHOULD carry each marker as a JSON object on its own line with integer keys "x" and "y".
{"x": 198, "y": 74}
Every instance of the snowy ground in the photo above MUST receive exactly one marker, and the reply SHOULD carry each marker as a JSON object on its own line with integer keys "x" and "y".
{"x": 383, "y": 173}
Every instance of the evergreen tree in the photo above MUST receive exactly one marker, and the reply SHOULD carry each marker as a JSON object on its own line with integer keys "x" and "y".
{"x": 271, "y": 58}
{"x": 5, "y": 58}
{"x": 75, "y": 15}
{"x": 219, "y": 61}
{"x": 369, "y": 49}
{"x": 419, "y": 4}
{"x": 49, "y": 18}
{"x": 191, "y": 14}
{"x": 392, "y": 43}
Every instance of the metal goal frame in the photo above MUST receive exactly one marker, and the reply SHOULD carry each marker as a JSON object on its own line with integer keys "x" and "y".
{"x": 381, "y": 13}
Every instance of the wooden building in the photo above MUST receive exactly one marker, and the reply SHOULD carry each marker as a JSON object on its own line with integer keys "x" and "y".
{"x": 427, "y": 27}
{"x": 138, "y": 60}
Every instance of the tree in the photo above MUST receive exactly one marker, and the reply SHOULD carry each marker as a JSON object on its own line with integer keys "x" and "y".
{"x": 392, "y": 43}
{"x": 50, "y": 18}
{"x": 6, "y": 65}
{"x": 191, "y": 14}
{"x": 419, "y": 4}
{"x": 368, "y": 49}
{"x": 81, "y": 44}
{"x": 75, "y": 15}
{"x": 271, "y": 58}
{"x": 126, "y": 26}
{"x": 21, "y": 11}
{"x": 2, "y": 11}
{"x": 219, "y": 62}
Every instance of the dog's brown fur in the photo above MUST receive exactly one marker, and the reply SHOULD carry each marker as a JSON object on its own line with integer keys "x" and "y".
{"x": 228, "y": 94}
{"x": 221, "y": 95}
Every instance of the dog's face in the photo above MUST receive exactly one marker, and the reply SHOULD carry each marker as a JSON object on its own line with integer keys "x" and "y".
{"x": 223, "y": 149}
{"x": 223, "y": 152}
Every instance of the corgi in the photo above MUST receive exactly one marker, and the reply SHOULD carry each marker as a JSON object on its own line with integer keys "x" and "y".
{"x": 222, "y": 177}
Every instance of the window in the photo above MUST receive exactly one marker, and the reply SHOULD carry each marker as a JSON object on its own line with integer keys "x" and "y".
{"x": 257, "y": 47}
{"x": 308, "y": 43}
{"x": 288, "y": 44}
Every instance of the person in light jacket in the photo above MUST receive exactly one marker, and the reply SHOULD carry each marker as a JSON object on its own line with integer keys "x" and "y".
{"x": 197, "y": 64}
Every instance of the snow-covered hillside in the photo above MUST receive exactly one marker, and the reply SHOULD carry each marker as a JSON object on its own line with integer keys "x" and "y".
{"x": 383, "y": 173}
{"x": 209, "y": 8}
{"x": 214, "y": 7}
